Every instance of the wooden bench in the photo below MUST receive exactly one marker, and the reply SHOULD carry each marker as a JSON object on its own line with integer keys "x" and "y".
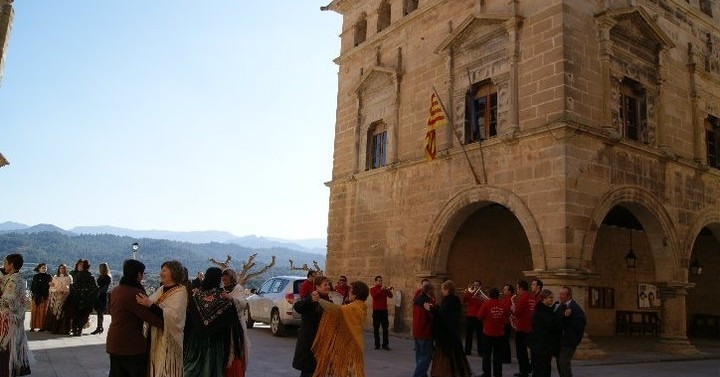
{"x": 643, "y": 323}
{"x": 705, "y": 325}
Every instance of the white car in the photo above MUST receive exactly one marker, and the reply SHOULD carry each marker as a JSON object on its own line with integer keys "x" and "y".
{"x": 273, "y": 304}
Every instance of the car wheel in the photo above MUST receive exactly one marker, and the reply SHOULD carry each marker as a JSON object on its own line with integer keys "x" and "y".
{"x": 249, "y": 322}
{"x": 276, "y": 327}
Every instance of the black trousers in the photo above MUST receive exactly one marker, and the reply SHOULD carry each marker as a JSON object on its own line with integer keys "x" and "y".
{"x": 128, "y": 366}
{"x": 380, "y": 319}
{"x": 521, "y": 351}
{"x": 473, "y": 330}
{"x": 492, "y": 349}
{"x": 506, "y": 345}
{"x": 542, "y": 363}
{"x": 563, "y": 361}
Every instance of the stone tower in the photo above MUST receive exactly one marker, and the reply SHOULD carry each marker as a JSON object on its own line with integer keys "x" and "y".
{"x": 582, "y": 148}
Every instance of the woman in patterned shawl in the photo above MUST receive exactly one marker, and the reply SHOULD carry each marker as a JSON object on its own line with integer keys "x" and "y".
{"x": 212, "y": 330}
{"x": 14, "y": 352}
{"x": 166, "y": 344}
{"x": 57, "y": 320}
{"x": 236, "y": 292}
{"x": 338, "y": 345}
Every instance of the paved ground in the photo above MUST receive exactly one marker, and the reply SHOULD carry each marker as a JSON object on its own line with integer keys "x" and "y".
{"x": 61, "y": 356}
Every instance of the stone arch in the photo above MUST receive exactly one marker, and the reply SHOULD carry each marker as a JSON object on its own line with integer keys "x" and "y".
{"x": 459, "y": 208}
{"x": 710, "y": 218}
{"x": 652, "y": 214}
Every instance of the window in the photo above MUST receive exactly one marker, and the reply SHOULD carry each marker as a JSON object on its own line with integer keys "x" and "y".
{"x": 631, "y": 116}
{"x": 409, "y": 6}
{"x": 377, "y": 146}
{"x": 706, "y": 7}
{"x": 480, "y": 112}
{"x": 383, "y": 16}
{"x": 361, "y": 29}
{"x": 712, "y": 138}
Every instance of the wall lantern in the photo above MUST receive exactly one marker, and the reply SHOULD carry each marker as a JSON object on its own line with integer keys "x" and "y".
{"x": 631, "y": 259}
{"x": 135, "y": 246}
{"x": 695, "y": 267}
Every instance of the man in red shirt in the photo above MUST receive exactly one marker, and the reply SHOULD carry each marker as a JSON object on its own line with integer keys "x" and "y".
{"x": 307, "y": 287}
{"x": 473, "y": 325}
{"x": 522, "y": 313}
{"x": 380, "y": 295}
{"x": 422, "y": 328}
{"x": 493, "y": 314}
{"x": 342, "y": 287}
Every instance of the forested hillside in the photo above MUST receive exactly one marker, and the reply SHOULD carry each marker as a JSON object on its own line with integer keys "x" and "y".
{"x": 54, "y": 248}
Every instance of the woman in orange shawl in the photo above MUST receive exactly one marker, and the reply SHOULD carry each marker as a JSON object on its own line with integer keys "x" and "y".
{"x": 338, "y": 345}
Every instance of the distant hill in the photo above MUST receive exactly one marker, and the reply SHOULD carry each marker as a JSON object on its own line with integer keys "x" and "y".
{"x": 55, "y": 247}
{"x": 311, "y": 245}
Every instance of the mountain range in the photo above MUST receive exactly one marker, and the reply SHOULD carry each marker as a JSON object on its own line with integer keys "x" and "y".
{"x": 311, "y": 245}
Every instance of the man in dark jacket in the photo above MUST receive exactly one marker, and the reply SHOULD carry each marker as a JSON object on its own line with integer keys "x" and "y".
{"x": 125, "y": 342}
{"x": 573, "y": 325}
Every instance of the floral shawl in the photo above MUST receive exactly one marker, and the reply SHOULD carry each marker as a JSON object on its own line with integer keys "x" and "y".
{"x": 166, "y": 344}
{"x": 12, "y": 322}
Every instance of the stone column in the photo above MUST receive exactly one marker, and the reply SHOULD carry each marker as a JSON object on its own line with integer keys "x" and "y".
{"x": 577, "y": 281}
{"x": 673, "y": 336}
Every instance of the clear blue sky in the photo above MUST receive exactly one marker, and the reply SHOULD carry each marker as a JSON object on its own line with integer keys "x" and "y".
{"x": 170, "y": 114}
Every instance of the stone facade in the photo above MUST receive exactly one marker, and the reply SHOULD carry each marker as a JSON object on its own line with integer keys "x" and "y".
{"x": 538, "y": 197}
{"x": 6, "y": 16}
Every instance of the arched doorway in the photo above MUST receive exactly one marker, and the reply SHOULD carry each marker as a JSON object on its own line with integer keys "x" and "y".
{"x": 703, "y": 300}
{"x": 623, "y": 267}
{"x": 490, "y": 245}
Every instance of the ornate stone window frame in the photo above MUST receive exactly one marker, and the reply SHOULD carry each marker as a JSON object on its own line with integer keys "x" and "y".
{"x": 497, "y": 64}
{"x": 618, "y": 65}
{"x": 380, "y": 84}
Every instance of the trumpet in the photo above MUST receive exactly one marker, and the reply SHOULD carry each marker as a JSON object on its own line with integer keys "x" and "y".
{"x": 477, "y": 292}
{"x": 389, "y": 288}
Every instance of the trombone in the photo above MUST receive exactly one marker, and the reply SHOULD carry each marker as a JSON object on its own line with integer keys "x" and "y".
{"x": 477, "y": 292}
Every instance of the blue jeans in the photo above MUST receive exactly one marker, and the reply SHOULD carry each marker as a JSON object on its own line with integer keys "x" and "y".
{"x": 423, "y": 357}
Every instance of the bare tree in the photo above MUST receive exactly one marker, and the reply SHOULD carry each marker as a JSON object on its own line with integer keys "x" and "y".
{"x": 244, "y": 274}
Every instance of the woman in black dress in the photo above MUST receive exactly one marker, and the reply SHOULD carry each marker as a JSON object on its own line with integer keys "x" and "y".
{"x": 83, "y": 292}
{"x": 103, "y": 281}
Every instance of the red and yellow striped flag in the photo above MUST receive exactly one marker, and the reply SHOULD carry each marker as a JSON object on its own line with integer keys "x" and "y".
{"x": 435, "y": 120}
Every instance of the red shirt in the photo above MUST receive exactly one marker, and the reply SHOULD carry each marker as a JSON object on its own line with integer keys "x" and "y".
{"x": 344, "y": 291}
{"x": 473, "y": 304}
{"x": 380, "y": 297}
{"x": 422, "y": 319}
{"x": 524, "y": 308}
{"x": 493, "y": 313}
{"x": 306, "y": 288}
{"x": 507, "y": 301}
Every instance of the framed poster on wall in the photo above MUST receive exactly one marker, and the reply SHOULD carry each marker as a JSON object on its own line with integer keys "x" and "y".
{"x": 608, "y": 298}
{"x": 595, "y": 299}
{"x": 648, "y": 296}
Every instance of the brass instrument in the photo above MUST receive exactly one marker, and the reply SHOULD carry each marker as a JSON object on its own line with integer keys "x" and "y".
{"x": 389, "y": 288}
{"x": 477, "y": 292}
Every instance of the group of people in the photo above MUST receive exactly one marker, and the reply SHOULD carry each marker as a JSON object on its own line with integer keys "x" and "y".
{"x": 543, "y": 328}
{"x": 178, "y": 330}
{"x": 330, "y": 338}
{"x": 62, "y": 303}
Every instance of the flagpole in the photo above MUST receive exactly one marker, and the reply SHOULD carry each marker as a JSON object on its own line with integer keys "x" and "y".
{"x": 457, "y": 136}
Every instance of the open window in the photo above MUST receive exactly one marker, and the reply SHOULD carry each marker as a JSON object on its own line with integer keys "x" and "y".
{"x": 377, "y": 146}
{"x": 481, "y": 112}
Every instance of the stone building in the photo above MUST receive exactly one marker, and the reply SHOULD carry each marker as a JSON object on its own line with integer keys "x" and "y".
{"x": 582, "y": 147}
{"x": 6, "y": 16}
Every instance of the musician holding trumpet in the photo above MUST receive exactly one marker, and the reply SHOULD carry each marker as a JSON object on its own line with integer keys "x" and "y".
{"x": 473, "y": 298}
{"x": 380, "y": 294}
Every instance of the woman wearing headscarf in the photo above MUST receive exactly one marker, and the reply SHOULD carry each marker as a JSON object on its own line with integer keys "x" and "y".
{"x": 166, "y": 343}
{"x": 236, "y": 292}
{"x": 338, "y": 344}
{"x": 83, "y": 292}
{"x": 212, "y": 330}
{"x": 57, "y": 321}
{"x": 103, "y": 281}
{"x": 126, "y": 343}
{"x": 14, "y": 353}
{"x": 40, "y": 292}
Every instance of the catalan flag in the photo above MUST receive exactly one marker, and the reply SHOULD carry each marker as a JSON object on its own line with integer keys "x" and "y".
{"x": 436, "y": 119}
